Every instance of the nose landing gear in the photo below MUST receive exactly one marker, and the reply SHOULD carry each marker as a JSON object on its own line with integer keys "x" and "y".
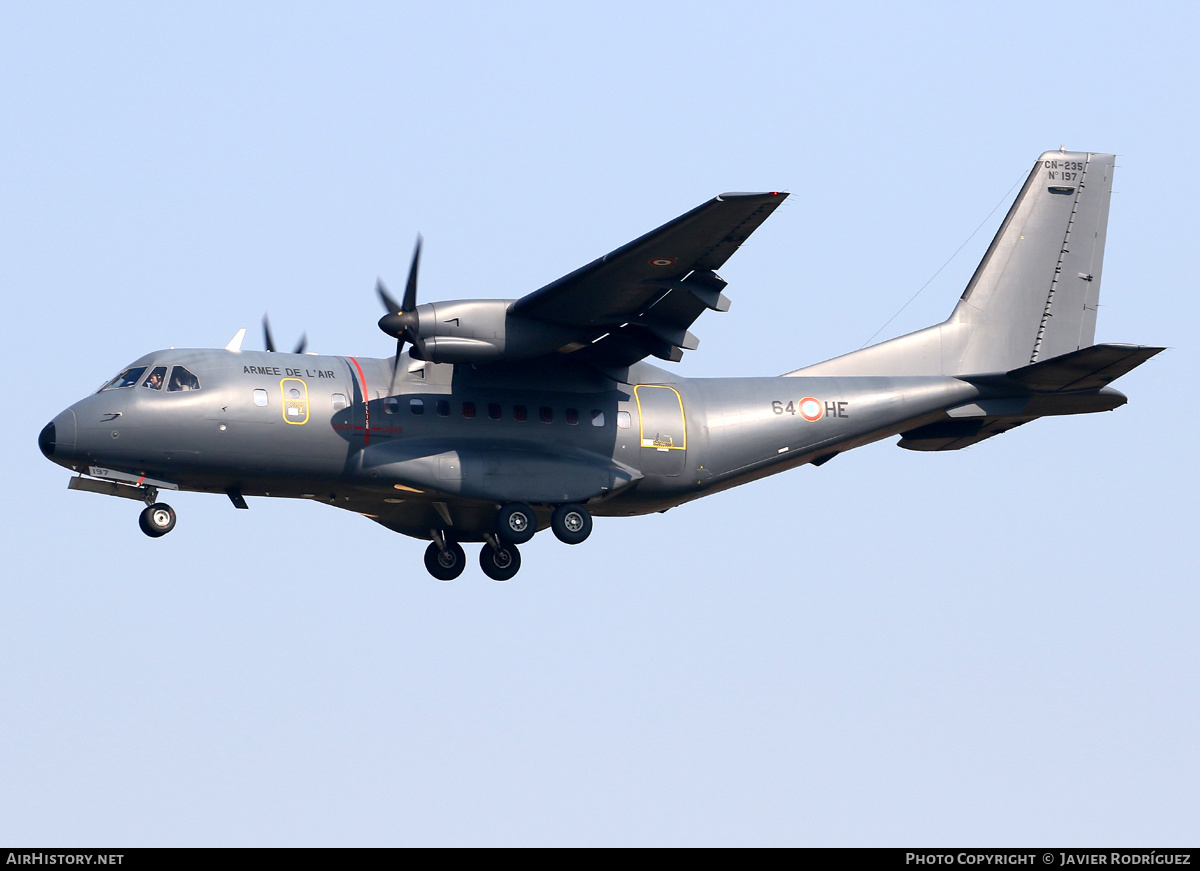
{"x": 157, "y": 520}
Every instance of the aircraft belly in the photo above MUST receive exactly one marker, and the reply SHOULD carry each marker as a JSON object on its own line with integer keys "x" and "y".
{"x": 494, "y": 473}
{"x": 468, "y": 521}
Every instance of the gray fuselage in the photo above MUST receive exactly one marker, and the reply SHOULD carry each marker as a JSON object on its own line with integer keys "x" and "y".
{"x": 442, "y": 445}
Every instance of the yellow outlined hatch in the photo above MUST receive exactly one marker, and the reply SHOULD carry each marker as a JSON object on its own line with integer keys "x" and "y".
{"x": 295, "y": 400}
{"x": 660, "y": 416}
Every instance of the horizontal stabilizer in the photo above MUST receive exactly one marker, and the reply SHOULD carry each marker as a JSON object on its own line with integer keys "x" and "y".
{"x": 1072, "y": 383}
{"x": 954, "y": 435}
{"x": 1086, "y": 369}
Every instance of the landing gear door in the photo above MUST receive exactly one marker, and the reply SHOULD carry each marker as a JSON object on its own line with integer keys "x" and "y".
{"x": 663, "y": 430}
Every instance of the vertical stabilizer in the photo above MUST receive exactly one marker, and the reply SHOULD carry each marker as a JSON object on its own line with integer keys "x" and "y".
{"x": 1034, "y": 294}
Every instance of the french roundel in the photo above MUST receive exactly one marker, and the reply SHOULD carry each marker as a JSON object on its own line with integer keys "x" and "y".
{"x": 811, "y": 409}
{"x": 662, "y": 261}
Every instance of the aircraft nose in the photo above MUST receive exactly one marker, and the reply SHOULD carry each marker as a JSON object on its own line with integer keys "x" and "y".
{"x": 57, "y": 438}
{"x": 46, "y": 440}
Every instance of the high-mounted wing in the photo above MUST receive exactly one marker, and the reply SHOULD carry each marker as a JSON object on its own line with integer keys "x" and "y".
{"x": 641, "y": 298}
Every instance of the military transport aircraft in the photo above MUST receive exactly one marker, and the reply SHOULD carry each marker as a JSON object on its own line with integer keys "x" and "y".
{"x": 510, "y": 416}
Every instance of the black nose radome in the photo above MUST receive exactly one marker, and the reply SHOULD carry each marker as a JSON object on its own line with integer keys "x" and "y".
{"x": 46, "y": 440}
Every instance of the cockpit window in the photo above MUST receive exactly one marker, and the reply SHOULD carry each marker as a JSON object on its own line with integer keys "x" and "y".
{"x": 128, "y": 378}
{"x": 182, "y": 379}
{"x": 157, "y": 376}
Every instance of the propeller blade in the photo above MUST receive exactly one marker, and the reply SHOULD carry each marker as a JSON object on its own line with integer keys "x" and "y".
{"x": 417, "y": 342}
{"x": 267, "y": 340}
{"x": 302, "y": 344}
{"x": 396, "y": 365}
{"x": 410, "y": 290}
{"x": 401, "y": 320}
{"x": 390, "y": 304}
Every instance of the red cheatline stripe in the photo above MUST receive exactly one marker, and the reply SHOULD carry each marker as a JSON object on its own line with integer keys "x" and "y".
{"x": 366, "y": 403}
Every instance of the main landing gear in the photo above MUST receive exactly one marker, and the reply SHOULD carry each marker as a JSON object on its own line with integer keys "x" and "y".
{"x": 445, "y": 559}
{"x": 572, "y": 524}
{"x": 499, "y": 558}
{"x": 516, "y": 523}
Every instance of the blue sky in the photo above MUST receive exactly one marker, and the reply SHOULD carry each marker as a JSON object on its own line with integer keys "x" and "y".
{"x": 995, "y": 646}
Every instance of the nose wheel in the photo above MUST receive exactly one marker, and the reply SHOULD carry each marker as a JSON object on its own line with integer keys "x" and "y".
{"x": 157, "y": 520}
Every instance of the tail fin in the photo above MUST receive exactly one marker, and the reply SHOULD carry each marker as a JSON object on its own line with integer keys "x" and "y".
{"x": 1034, "y": 294}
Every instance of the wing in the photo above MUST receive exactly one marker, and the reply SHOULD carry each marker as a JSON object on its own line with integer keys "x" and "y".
{"x": 641, "y": 298}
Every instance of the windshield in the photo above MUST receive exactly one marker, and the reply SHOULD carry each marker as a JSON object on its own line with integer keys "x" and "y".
{"x": 182, "y": 379}
{"x": 157, "y": 375}
{"x": 126, "y": 379}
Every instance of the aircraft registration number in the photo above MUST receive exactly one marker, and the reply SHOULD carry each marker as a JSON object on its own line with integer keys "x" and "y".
{"x": 811, "y": 408}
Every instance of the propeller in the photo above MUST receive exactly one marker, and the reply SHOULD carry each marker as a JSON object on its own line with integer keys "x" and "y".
{"x": 401, "y": 321}
{"x": 270, "y": 342}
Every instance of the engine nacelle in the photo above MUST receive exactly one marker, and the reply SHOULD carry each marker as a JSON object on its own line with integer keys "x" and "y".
{"x": 483, "y": 330}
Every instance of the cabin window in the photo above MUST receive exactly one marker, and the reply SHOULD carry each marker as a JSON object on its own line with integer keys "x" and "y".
{"x": 391, "y": 405}
{"x": 494, "y": 411}
{"x": 339, "y": 401}
{"x": 623, "y": 420}
{"x": 128, "y": 378}
{"x": 260, "y": 397}
{"x": 182, "y": 379}
{"x": 572, "y": 416}
{"x": 597, "y": 417}
{"x": 443, "y": 407}
{"x": 158, "y": 375}
{"x": 416, "y": 406}
{"x": 520, "y": 412}
{"x": 469, "y": 410}
{"x": 547, "y": 414}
